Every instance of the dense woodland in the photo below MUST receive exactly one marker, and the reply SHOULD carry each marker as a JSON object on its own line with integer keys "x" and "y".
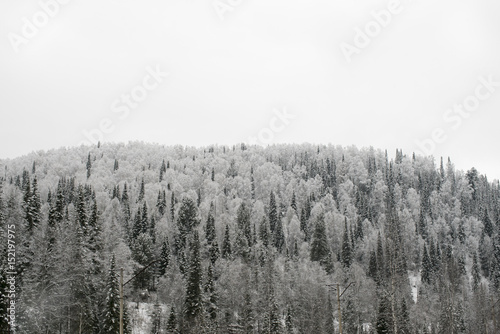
{"x": 250, "y": 240}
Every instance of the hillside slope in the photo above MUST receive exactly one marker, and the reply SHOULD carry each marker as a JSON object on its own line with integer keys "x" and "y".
{"x": 250, "y": 239}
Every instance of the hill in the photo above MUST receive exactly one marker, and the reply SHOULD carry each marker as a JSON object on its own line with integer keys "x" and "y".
{"x": 248, "y": 239}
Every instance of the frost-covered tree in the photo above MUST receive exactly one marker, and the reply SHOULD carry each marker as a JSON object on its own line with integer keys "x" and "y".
{"x": 112, "y": 303}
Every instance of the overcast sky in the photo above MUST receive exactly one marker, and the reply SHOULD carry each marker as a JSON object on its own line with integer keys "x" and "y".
{"x": 368, "y": 73}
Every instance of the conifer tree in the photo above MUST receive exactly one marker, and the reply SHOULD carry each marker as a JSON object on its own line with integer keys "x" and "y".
{"x": 35, "y": 205}
{"x": 164, "y": 257}
{"x": 273, "y": 213}
{"x": 346, "y": 248}
{"x": 161, "y": 203}
{"x": 193, "y": 301}
{"x": 303, "y": 224}
{"x": 89, "y": 166}
{"x": 152, "y": 229}
{"x": 319, "y": 245}
{"x": 172, "y": 322}
{"x": 372, "y": 267}
{"x": 476, "y": 277}
{"x": 226, "y": 245}
{"x": 172, "y": 207}
{"x": 404, "y": 326}
{"x": 144, "y": 218}
{"x": 384, "y": 318}
{"x": 137, "y": 227}
{"x": 426, "y": 267}
{"x": 163, "y": 169}
{"x": 243, "y": 222}
{"x": 484, "y": 256}
{"x": 213, "y": 246}
{"x": 264, "y": 231}
{"x": 112, "y": 302}
{"x": 211, "y": 299}
{"x": 187, "y": 220}
{"x": 488, "y": 225}
{"x": 125, "y": 205}
{"x": 279, "y": 236}
{"x": 140, "y": 198}
{"x": 293, "y": 205}
{"x": 81, "y": 211}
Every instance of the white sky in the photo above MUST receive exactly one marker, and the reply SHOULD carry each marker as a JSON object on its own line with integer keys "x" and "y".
{"x": 227, "y": 76}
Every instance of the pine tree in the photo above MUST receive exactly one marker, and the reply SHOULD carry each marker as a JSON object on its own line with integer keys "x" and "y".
{"x": 141, "y": 191}
{"x": 193, "y": 301}
{"x": 273, "y": 322}
{"x": 115, "y": 166}
{"x": 495, "y": 272}
{"x": 112, "y": 302}
{"x": 226, "y": 245}
{"x": 164, "y": 257}
{"x": 384, "y": 317}
{"x": 211, "y": 299}
{"x": 144, "y": 218}
{"x": 488, "y": 225}
{"x": 264, "y": 231}
{"x": 213, "y": 246}
{"x": 143, "y": 253}
{"x": 137, "y": 227}
{"x": 279, "y": 236}
{"x": 161, "y": 203}
{"x": 303, "y": 224}
{"x": 187, "y": 219}
{"x": 329, "y": 324}
{"x": 273, "y": 213}
{"x": 243, "y": 222}
{"x": 56, "y": 211}
{"x": 372, "y": 267}
{"x": 293, "y": 205}
{"x": 163, "y": 169}
{"x": 346, "y": 248}
{"x": 89, "y": 166}
{"x": 476, "y": 277}
{"x": 484, "y": 256}
{"x": 125, "y": 205}
{"x": 404, "y": 326}
{"x": 172, "y": 322}
{"x": 426, "y": 267}
{"x": 172, "y": 207}
{"x": 319, "y": 246}
{"x": 35, "y": 205}
{"x": 81, "y": 211}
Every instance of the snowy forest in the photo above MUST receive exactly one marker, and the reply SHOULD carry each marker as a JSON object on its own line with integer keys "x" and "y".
{"x": 246, "y": 239}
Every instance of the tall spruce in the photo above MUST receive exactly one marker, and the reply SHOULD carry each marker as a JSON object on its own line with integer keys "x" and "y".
{"x": 320, "y": 251}
{"x": 112, "y": 301}
{"x": 193, "y": 302}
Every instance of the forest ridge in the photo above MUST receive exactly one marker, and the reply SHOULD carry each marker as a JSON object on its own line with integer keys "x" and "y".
{"x": 249, "y": 240}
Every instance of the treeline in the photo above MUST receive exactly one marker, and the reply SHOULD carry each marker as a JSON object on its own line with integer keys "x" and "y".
{"x": 250, "y": 240}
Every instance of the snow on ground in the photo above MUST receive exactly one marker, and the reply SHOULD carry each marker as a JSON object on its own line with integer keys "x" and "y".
{"x": 140, "y": 316}
{"x": 414, "y": 284}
